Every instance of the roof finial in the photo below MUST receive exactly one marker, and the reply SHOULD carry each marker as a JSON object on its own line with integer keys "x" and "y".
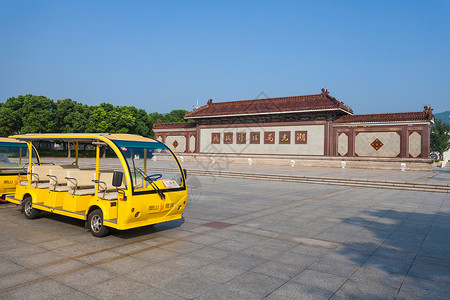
{"x": 428, "y": 111}
{"x": 325, "y": 92}
{"x": 209, "y": 102}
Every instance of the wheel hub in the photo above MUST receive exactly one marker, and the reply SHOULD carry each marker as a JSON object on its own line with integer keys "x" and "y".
{"x": 96, "y": 223}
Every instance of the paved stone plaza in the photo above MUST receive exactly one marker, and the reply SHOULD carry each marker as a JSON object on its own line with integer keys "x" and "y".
{"x": 242, "y": 239}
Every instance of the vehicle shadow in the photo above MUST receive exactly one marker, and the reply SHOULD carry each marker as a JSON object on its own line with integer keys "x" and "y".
{"x": 123, "y": 234}
{"x": 405, "y": 253}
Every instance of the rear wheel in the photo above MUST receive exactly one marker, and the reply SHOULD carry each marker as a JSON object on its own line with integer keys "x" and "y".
{"x": 28, "y": 210}
{"x": 95, "y": 221}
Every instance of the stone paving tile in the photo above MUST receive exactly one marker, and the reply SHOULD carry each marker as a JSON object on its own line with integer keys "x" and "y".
{"x": 188, "y": 287}
{"x": 311, "y": 251}
{"x": 56, "y": 243}
{"x": 59, "y": 268}
{"x": 18, "y": 253}
{"x": 153, "y": 293}
{"x": 278, "y": 270}
{"x": 436, "y": 274}
{"x": 85, "y": 278}
{"x": 203, "y": 239}
{"x": 182, "y": 247}
{"x": 9, "y": 267}
{"x": 388, "y": 253}
{"x": 369, "y": 290}
{"x": 128, "y": 249}
{"x": 155, "y": 255}
{"x": 255, "y": 283}
{"x": 346, "y": 256}
{"x": 335, "y": 267}
{"x": 72, "y": 295}
{"x": 185, "y": 263}
{"x": 296, "y": 259}
{"x": 380, "y": 276}
{"x": 116, "y": 288}
{"x": 231, "y": 245}
{"x": 153, "y": 275}
{"x": 211, "y": 253}
{"x": 124, "y": 265}
{"x": 39, "y": 259}
{"x": 321, "y": 280}
{"x": 76, "y": 249}
{"x": 241, "y": 260}
{"x": 227, "y": 292}
{"x": 41, "y": 290}
{"x": 18, "y": 278}
{"x": 293, "y": 290}
{"x": 217, "y": 272}
{"x": 97, "y": 257}
{"x": 416, "y": 288}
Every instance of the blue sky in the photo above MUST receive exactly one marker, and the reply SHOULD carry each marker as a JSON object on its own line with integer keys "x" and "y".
{"x": 375, "y": 56}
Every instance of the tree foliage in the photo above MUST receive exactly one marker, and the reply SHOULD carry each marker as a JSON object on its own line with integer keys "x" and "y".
{"x": 34, "y": 114}
{"x": 440, "y": 137}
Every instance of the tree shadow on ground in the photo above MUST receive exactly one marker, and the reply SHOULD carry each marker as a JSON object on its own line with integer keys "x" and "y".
{"x": 404, "y": 253}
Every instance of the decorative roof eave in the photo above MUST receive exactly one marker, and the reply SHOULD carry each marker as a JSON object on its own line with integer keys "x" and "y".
{"x": 279, "y": 105}
{"x": 417, "y": 122}
{"x": 186, "y": 125}
{"x": 272, "y": 113}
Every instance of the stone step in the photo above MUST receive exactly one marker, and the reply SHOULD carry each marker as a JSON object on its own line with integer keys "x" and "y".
{"x": 400, "y": 185}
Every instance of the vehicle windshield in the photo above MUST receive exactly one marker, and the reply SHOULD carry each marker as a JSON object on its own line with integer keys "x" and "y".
{"x": 152, "y": 166}
{"x": 13, "y": 155}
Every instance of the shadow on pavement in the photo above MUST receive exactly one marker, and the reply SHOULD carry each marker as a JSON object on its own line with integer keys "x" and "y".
{"x": 123, "y": 234}
{"x": 404, "y": 252}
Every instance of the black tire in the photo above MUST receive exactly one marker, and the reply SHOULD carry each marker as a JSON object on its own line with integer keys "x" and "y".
{"x": 28, "y": 210}
{"x": 95, "y": 223}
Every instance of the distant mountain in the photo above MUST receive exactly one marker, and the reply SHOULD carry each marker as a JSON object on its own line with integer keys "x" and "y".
{"x": 443, "y": 116}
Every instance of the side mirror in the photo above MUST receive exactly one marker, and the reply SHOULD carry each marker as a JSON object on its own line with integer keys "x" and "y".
{"x": 117, "y": 178}
{"x": 185, "y": 173}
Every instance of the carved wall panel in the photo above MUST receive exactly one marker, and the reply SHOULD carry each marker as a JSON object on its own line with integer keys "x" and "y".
{"x": 383, "y": 144}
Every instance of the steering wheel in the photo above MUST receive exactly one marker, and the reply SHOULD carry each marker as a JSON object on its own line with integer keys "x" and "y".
{"x": 153, "y": 177}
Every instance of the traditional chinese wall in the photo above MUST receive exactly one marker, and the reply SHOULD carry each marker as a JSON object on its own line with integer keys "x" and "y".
{"x": 381, "y": 140}
{"x": 298, "y": 139}
{"x": 178, "y": 140}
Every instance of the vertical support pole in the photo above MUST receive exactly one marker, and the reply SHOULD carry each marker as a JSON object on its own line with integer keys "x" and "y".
{"x": 30, "y": 161}
{"x": 97, "y": 168}
{"x": 145, "y": 161}
{"x": 68, "y": 149}
{"x": 76, "y": 153}
{"x": 20, "y": 156}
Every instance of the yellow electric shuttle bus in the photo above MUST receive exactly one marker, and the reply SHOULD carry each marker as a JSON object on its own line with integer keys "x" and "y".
{"x": 13, "y": 163}
{"x": 139, "y": 183}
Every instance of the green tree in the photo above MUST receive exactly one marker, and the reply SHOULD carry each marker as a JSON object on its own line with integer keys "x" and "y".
{"x": 175, "y": 116}
{"x": 10, "y": 117}
{"x": 38, "y": 114}
{"x": 71, "y": 116}
{"x": 440, "y": 138}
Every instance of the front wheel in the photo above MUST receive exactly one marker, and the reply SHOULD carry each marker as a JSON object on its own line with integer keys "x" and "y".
{"x": 28, "y": 210}
{"x": 95, "y": 221}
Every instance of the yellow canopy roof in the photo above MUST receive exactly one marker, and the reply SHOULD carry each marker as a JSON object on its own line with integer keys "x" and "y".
{"x": 81, "y": 137}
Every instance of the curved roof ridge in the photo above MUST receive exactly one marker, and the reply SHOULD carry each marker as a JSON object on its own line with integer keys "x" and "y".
{"x": 301, "y": 103}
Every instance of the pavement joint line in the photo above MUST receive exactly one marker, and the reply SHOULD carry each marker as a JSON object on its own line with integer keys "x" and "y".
{"x": 76, "y": 257}
{"x": 84, "y": 267}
